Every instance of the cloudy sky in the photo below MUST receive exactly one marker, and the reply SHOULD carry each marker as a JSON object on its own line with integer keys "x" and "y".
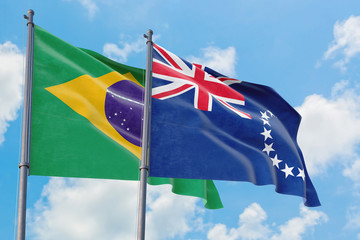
{"x": 308, "y": 52}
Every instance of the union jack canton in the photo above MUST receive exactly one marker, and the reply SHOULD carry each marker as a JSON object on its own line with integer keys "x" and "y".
{"x": 185, "y": 76}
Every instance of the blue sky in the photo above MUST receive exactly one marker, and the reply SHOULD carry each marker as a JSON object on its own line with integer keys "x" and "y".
{"x": 307, "y": 51}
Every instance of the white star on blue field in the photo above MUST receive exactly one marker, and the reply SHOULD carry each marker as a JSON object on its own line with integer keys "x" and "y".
{"x": 307, "y": 51}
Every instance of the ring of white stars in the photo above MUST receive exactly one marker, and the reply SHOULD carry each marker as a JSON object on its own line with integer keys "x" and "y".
{"x": 265, "y": 117}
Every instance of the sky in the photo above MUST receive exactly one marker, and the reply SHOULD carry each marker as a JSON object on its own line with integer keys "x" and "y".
{"x": 308, "y": 51}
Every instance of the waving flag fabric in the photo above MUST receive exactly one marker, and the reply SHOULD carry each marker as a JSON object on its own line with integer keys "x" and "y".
{"x": 86, "y": 118}
{"x": 208, "y": 126}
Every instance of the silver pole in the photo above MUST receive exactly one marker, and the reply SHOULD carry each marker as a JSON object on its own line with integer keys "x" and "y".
{"x": 25, "y": 145}
{"x": 145, "y": 139}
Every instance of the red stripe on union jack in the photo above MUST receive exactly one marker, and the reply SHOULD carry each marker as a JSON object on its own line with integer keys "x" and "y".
{"x": 183, "y": 78}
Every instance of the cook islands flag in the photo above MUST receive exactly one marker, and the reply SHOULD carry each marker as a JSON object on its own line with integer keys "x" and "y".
{"x": 208, "y": 126}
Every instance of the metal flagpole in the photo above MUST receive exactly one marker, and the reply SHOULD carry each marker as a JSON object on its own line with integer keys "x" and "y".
{"x": 145, "y": 138}
{"x": 25, "y": 145}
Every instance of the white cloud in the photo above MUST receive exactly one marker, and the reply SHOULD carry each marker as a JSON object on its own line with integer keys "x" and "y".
{"x": 251, "y": 223}
{"x": 116, "y": 53}
{"x": 90, "y": 6}
{"x": 296, "y": 227}
{"x": 353, "y": 218}
{"x": 85, "y": 209}
{"x": 220, "y": 232}
{"x": 346, "y": 41}
{"x": 221, "y": 60}
{"x": 330, "y": 127}
{"x": 11, "y": 82}
{"x": 252, "y": 226}
{"x": 76, "y": 209}
{"x": 170, "y": 215}
{"x": 353, "y": 171}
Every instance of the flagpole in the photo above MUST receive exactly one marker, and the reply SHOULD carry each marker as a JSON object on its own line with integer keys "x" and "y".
{"x": 144, "y": 168}
{"x": 25, "y": 145}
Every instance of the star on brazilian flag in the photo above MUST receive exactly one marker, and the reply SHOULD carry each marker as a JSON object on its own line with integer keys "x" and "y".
{"x": 87, "y": 117}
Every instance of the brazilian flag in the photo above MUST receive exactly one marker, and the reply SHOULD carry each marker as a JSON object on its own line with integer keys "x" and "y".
{"x": 87, "y": 117}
